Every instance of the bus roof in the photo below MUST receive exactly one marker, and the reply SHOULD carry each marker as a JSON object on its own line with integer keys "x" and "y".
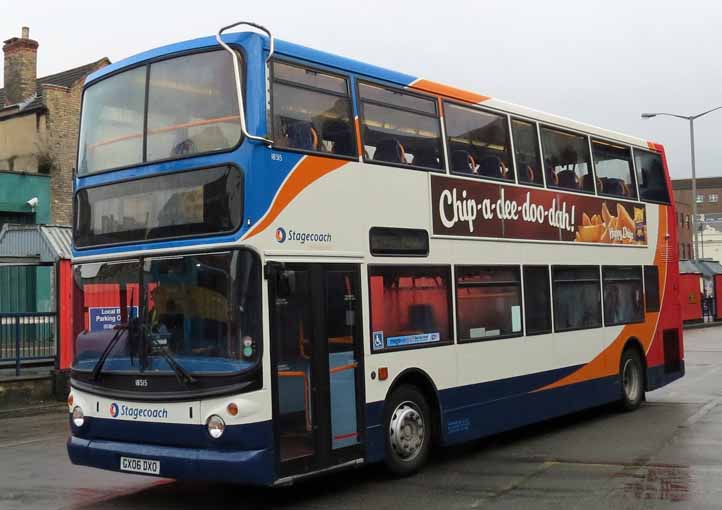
{"x": 329, "y": 60}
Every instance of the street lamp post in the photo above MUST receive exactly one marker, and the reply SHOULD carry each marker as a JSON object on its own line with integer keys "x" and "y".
{"x": 691, "y": 119}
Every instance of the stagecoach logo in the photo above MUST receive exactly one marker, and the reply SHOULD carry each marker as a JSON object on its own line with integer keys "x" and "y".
{"x": 280, "y": 235}
{"x": 136, "y": 412}
{"x": 302, "y": 237}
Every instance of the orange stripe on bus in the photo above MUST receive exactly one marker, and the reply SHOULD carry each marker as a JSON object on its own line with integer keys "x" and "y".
{"x": 606, "y": 363}
{"x": 310, "y": 169}
{"x": 448, "y": 91}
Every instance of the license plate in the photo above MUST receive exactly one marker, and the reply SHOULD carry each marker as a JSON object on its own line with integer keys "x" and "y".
{"x": 149, "y": 467}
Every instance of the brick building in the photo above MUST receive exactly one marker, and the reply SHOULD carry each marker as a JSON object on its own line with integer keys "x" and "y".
{"x": 684, "y": 230}
{"x": 39, "y": 120}
{"x": 709, "y": 213}
{"x": 709, "y": 191}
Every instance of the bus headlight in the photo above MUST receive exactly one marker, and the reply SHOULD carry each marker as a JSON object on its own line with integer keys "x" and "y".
{"x": 216, "y": 426}
{"x": 78, "y": 417}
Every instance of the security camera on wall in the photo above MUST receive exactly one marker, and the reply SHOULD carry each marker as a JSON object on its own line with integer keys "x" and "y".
{"x": 33, "y": 202}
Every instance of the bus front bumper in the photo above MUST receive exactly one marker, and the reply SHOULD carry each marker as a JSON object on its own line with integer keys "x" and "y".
{"x": 250, "y": 467}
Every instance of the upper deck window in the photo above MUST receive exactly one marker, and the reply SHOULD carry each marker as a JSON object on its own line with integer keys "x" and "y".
{"x": 651, "y": 177}
{"x": 479, "y": 142}
{"x": 192, "y": 108}
{"x": 312, "y": 111}
{"x": 566, "y": 160}
{"x": 613, "y": 164}
{"x": 399, "y": 128}
{"x": 526, "y": 151}
{"x": 207, "y": 201}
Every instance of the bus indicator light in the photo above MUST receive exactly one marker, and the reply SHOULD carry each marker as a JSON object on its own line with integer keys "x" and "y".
{"x": 232, "y": 409}
{"x": 383, "y": 373}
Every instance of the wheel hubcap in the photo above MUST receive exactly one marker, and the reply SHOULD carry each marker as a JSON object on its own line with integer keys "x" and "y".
{"x": 631, "y": 380}
{"x": 406, "y": 431}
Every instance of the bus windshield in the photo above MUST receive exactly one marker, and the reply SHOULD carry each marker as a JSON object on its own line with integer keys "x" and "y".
{"x": 168, "y": 109}
{"x": 201, "y": 311}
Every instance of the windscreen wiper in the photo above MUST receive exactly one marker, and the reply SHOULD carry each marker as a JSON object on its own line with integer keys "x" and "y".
{"x": 181, "y": 373}
{"x": 104, "y": 356}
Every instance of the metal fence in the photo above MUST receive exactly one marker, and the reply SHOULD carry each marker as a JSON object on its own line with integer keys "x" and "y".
{"x": 24, "y": 337}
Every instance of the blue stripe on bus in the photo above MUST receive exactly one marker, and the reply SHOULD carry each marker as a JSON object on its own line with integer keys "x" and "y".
{"x": 246, "y": 453}
{"x": 251, "y": 467}
{"x": 473, "y": 418}
{"x": 282, "y": 47}
{"x": 252, "y": 436}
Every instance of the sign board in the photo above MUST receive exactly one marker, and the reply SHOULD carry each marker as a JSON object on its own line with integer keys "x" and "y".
{"x": 477, "y": 209}
{"x": 104, "y": 318}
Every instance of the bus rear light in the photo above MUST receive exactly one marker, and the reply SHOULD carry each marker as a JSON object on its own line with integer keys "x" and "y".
{"x": 232, "y": 409}
{"x": 383, "y": 373}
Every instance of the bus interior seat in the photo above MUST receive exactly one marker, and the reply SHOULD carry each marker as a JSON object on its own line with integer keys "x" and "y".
{"x": 588, "y": 185}
{"x": 426, "y": 156}
{"x": 462, "y": 161}
{"x": 390, "y": 150}
{"x": 341, "y": 136}
{"x": 614, "y": 187}
{"x": 421, "y": 317}
{"x": 529, "y": 171}
{"x": 567, "y": 179}
{"x": 491, "y": 166}
{"x": 302, "y": 135}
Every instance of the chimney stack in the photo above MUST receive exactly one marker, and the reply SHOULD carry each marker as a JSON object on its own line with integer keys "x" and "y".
{"x": 21, "y": 58}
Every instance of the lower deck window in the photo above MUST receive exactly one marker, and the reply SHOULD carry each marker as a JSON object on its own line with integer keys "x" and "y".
{"x": 488, "y": 302}
{"x": 623, "y": 301}
{"x": 577, "y": 298}
{"x": 410, "y": 306}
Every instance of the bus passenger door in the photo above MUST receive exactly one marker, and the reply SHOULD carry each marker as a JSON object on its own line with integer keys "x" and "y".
{"x": 316, "y": 328}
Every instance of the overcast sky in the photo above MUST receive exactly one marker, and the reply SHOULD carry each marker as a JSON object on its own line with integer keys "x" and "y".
{"x": 597, "y": 61}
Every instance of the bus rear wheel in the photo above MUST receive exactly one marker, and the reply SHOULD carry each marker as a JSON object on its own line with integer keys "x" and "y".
{"x": 408, "y": 431}
{"x": 631, "y": 375}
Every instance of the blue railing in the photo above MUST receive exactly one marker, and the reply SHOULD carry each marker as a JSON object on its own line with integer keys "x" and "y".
{"x": 29, "y": 336}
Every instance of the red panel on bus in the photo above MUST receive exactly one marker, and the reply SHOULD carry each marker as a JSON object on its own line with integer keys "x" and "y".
{"x": 718, "y": 296}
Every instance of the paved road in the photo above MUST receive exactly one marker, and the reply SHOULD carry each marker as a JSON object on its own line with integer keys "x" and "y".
{"x": 668, "y": 454}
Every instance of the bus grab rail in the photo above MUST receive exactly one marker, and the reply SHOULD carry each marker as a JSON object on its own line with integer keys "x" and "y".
{"x": 237, "y": 73}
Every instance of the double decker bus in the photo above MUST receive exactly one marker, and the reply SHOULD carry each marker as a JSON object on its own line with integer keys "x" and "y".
{"x": 288, "y": 262}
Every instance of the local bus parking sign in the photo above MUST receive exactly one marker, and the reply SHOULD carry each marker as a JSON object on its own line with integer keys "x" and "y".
{"x": 104, "y": 318}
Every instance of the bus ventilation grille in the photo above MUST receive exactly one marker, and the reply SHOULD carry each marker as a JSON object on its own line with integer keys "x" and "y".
{"x": 672, "y": 361}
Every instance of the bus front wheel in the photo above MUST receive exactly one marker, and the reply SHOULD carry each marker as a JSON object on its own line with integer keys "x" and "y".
{"x": 631, "y": 375}
{"x": 408, "y": 430}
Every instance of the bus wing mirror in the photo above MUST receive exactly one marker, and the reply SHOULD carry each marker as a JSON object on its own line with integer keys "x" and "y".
{"x": 237, "y": 74}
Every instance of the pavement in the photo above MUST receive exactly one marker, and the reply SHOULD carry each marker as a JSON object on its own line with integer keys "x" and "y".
{"x": 667, "y": 454}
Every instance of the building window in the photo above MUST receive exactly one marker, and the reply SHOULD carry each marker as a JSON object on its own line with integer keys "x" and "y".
{"x": 651, "y": 178}
{"x": 537, "y": 300}
{"x": 622, "y": 295}
{"x": 577, "y": 297}
{"x": 312, "y": 111}
{"x": 479, "y": 142}
{"x": 651, "y": 288}
{"x": 410, "y": 306}
{"x": 399, "y": 128}
{"x": 566, "y": 160}
{"x": 700, "y": 199}
{"x": 488, "y": 302}
{"x": 713, "y": 197}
